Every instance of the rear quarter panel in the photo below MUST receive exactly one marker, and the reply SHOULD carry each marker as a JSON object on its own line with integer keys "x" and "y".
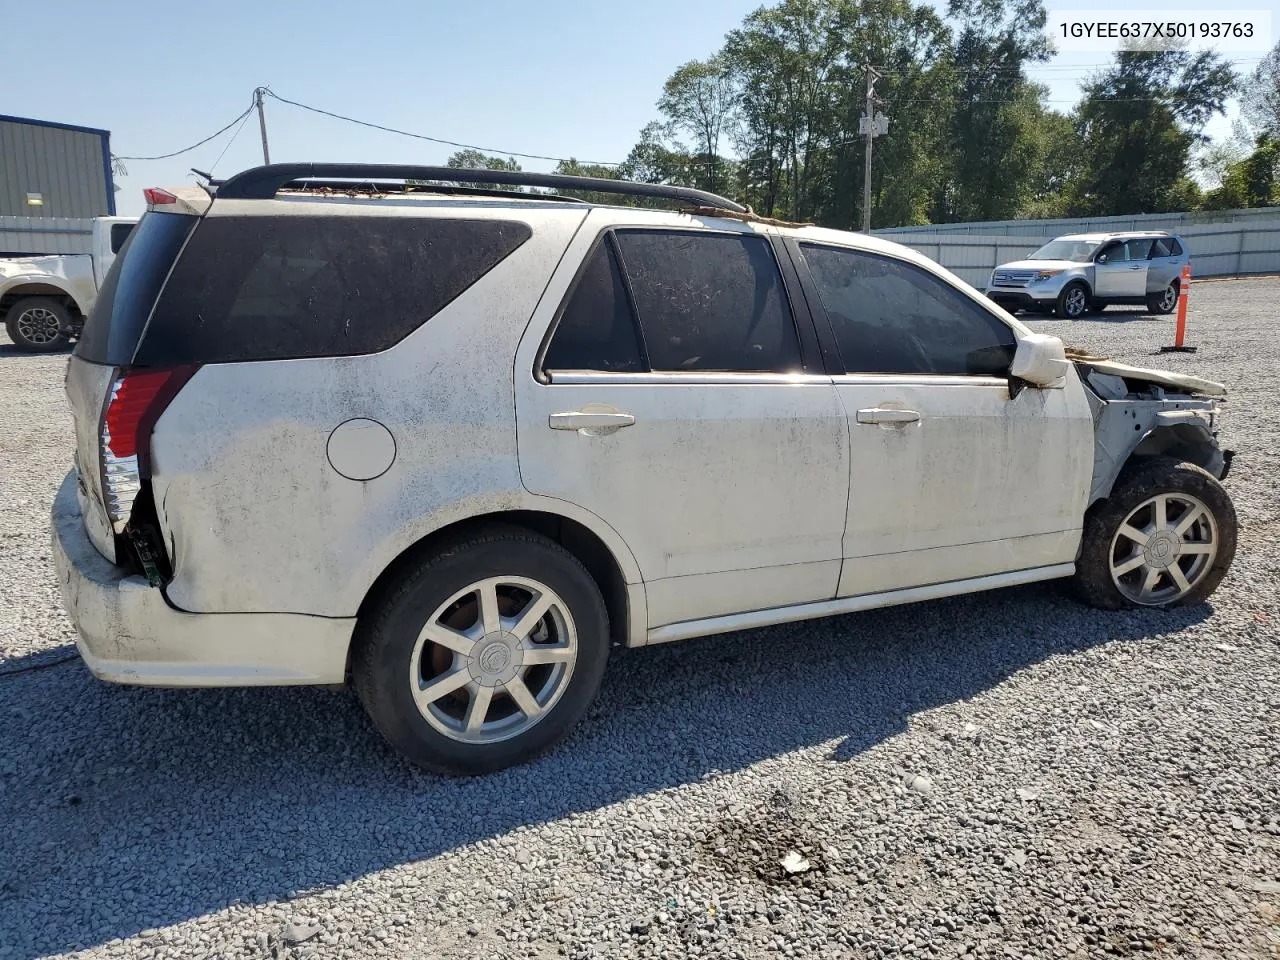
{"x": 255, "y": 517}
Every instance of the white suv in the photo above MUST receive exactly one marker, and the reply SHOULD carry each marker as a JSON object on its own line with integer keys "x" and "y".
{"x": 450, "y": 445}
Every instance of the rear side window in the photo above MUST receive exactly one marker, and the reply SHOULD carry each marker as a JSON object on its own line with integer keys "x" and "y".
{"x": 119, "y": 234}
{"x": 709, "y": 301}
{"x": 271, "y": 288}
{"x": 890, "y": 316}
{"x": 596, "y": 330}
{"x": 114, "y": 325}
{"x": 1175, "y": 248}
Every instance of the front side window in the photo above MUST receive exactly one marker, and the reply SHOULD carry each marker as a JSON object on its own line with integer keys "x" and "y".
{"x": 709, "y": 301}
{"x": 890, "y": 316}
{"x": 1115, "y": 253}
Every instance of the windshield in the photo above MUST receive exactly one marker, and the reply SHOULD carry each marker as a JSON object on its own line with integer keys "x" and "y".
{"x": 1080, "y": 251}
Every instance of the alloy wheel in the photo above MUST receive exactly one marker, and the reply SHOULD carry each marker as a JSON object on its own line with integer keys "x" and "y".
{"x": 1162, "y": 550}
{"x": 38, "y": 325}
{"x": 493, "y": 659}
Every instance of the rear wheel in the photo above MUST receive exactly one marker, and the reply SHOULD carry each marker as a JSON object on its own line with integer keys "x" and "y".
{"x": 38, "y": 324}
{"x": 1165, "y": 538}
{"x": 1164, "y": 303}
{"x": 1073, "y": 301}
{"x": 485, "y": 654}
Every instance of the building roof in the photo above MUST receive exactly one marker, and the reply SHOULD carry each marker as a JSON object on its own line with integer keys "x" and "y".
{"x": 54, "y": 124}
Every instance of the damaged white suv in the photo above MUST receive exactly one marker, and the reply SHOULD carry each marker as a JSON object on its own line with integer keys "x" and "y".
{"x": 451, "y": 444}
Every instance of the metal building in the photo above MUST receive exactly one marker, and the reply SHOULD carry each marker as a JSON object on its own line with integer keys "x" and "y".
{"x": 54, "y": 170}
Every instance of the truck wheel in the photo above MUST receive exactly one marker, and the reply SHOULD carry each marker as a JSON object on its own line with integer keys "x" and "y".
{"x": 1164, "y": 538}
{"x": 1164, "y": 302}
{"x": 484, "y": 654}
{"x": 1073, "y": 301}
{"x": 38, "y": 325}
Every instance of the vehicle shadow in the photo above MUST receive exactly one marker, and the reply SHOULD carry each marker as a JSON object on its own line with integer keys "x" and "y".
{"x": 131, "y": 809}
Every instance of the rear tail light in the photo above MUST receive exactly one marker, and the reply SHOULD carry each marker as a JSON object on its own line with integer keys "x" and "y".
{"x": 155, "y": 195}
{"x": 136, "y": 400}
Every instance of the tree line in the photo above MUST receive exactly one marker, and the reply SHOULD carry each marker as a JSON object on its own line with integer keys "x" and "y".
{"x": 772, "y": 120}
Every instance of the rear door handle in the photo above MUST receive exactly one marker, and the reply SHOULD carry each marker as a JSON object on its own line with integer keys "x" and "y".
{"x": 1138, "y": 267}
{"x": 583, "y": 420}
{"x": 887, "y": 415}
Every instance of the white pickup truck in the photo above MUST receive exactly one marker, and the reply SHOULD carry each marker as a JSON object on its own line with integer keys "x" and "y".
{"x": 44, "y": 300}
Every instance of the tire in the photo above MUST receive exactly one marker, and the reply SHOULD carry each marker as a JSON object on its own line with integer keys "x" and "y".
{"x": 1101, "y": 578}
{"x": 1164, "y": 303}
{"x": 1073, "y": 301}
{"x": 38, "y": 325}
{"x": 528, "y": 708}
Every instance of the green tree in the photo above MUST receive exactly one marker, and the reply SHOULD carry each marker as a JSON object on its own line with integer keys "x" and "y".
{"x": 996, "y": 152}
{"x": 1251, "y": 181}
{"x": 1260, "y": 94}
{"x": 698, "y": 99}
{"x": 1137, "y": 124}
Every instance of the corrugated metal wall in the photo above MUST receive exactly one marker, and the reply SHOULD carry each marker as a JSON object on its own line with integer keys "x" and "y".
{"x": 67, "y": 166}
{"x": 25, "y": 236}
{"x": 1250, "y": 245}
{"x": 1173, "y": 222}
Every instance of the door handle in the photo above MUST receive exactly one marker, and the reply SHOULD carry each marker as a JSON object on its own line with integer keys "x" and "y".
{"x": 887, "y": 415}
{"x": 585, "y": 420}
{"x": 1138, "y": 267}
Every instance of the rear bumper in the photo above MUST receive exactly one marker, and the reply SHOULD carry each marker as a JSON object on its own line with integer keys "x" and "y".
{"x": 127, "y": 633}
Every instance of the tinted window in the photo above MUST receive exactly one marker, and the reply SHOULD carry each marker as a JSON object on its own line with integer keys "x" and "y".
{"x": 709, "y": 301}
{"x": 129, "y": 291}
{"x": 119, "y": 234}
{"x": 1176, "y": 247}
{"x": 890, "y": 316}
{"x": 596, "y": 330}
{"x": 1160, "y": 248}
{"x": 268, "y": 288}
{"x": 1115, "y": 253}
{"x": 1139, "y": 249}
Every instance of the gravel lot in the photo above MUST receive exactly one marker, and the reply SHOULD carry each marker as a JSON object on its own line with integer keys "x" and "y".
{"x": 1000, "y": 775}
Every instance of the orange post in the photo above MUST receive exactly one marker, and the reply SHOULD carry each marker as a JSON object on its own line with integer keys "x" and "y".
{"x": 1184, "y": 292}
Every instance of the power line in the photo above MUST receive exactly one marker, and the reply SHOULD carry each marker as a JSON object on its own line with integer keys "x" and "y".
{"x": 243, "y": 120}
{"x": 450, "y": 143}
{"x": 176, "y": 153}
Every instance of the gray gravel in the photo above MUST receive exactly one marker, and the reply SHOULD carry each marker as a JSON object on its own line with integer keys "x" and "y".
{"x": 1000, "y": 775}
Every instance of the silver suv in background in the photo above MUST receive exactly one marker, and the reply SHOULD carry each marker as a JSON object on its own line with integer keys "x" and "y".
{"x": 1090, "y": 271}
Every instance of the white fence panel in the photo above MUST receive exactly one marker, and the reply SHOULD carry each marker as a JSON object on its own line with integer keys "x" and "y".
{"x": 1250, "y": 245}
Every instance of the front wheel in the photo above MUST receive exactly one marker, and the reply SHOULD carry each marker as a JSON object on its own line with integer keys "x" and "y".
{"x": 485, "y": 654}
{"x": 1073, "y": 301}
{"x": 1164, "y": 538}
{"x": 38, "y": 325}
{"x": 1163, "y": 303}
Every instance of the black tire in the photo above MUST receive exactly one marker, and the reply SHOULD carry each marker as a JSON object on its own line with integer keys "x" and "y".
{"x": 1165, "y": 302}
{"x": 1073, "y": 301}
{"x": 47, "y": 309}
{"x": 1138, "y": 483}
{"x": 384, "y": 645}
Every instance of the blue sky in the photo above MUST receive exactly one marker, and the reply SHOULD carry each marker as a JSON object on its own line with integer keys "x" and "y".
{"x": 556, "y": 77}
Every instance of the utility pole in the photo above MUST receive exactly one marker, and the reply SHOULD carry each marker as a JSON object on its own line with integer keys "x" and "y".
{"x": 262, "y": 125}
{"x": 869, "y": 123}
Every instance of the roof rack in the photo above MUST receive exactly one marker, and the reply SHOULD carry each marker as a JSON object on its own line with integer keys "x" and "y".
{"x": 262, "y": 183}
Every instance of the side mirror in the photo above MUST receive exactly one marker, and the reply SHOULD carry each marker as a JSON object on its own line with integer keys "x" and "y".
{"x": 1041, "y": 361}
{"x": 1102, "y": 258}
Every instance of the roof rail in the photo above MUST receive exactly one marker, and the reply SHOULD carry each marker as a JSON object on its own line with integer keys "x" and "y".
{"x": 262, "y": 183}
